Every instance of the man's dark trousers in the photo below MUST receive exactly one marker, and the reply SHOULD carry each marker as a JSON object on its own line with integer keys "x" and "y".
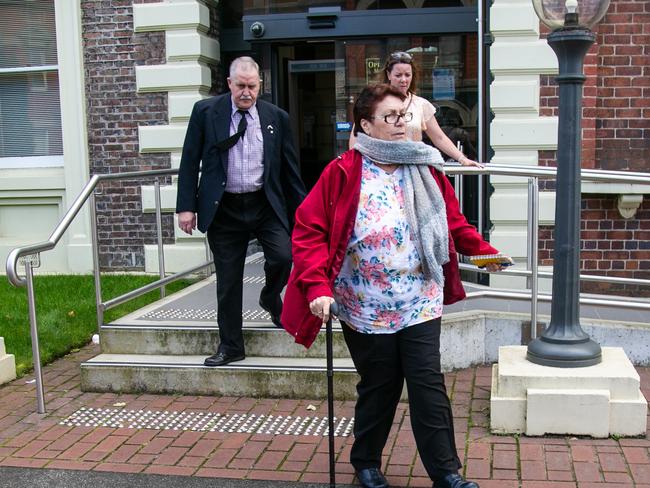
{"x": 239, "y": 216}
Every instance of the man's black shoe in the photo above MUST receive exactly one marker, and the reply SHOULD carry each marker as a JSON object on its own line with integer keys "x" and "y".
{"x": 372, "y": 478}
{"x": 275, "y": 317}
{"x": 221, "y": 358}
{"x": 454, "y": 480}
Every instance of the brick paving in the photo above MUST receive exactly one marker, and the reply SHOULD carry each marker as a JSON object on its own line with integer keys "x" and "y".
{"x": 28, "y": 439}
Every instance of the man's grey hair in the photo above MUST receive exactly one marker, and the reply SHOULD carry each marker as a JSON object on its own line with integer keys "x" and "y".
{"x": 244, "y": 63}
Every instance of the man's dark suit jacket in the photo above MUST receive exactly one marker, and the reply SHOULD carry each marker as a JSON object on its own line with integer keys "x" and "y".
{"x": 210, "y": 124}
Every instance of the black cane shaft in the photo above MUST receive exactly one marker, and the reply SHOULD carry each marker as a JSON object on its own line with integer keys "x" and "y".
{"x": 330, "y": 392}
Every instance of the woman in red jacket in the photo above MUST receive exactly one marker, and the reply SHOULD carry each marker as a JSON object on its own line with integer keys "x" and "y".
{"x": 378, "y": 233}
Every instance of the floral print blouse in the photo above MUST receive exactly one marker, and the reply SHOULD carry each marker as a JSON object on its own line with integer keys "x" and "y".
{"x": 380, "y": 288}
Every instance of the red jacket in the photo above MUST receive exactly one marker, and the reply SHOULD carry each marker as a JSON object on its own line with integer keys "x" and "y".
{"x": 323, "y": 226}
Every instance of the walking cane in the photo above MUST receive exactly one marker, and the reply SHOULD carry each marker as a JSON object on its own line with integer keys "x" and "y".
{"x": 334, "y": 310}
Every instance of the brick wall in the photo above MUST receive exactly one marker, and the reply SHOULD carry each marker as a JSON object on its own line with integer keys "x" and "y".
{"x": 615, "y": 136}
{"x": 114, "y": 110}
{"x": 610, "y": 245}
{"x": 623, "y": 115}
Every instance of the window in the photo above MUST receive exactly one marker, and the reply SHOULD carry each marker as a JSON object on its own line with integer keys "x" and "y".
{"x": 30, "y": 112}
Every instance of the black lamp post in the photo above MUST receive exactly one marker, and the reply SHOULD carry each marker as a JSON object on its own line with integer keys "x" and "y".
{"x": 564, "y": 344}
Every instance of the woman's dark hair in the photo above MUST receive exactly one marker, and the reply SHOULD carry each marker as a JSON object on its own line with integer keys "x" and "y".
{"x": 401, "y": 57}
{"x": 364, "y": 107}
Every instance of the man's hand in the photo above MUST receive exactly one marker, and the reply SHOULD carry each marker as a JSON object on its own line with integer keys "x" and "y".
{"x": 187, "y": 221}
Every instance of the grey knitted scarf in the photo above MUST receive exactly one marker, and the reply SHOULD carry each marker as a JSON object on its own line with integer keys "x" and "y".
{"x": 425, "y": 208}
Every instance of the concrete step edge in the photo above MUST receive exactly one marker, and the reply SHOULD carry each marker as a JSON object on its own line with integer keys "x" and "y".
{"x": 342, "y": 365}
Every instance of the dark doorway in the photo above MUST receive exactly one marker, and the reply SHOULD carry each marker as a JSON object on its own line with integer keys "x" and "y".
{"x": 309, "y": 96}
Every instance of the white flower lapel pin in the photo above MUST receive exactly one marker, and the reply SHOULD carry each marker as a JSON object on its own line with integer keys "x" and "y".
{"x": 270, "y": 128}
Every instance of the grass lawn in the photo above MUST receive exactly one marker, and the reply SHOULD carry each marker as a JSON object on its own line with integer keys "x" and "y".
{"x": 65, "y": 312}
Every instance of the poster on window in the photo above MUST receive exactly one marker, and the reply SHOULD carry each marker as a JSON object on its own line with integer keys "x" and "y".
{"x": 444, "y": 84}
{"x": 373, "y": 66}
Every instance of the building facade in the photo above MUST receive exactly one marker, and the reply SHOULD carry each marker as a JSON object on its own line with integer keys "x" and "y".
{"x": 113, "y": 88}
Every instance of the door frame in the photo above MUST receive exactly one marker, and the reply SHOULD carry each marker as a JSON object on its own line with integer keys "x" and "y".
{"x": 332, "y": 23}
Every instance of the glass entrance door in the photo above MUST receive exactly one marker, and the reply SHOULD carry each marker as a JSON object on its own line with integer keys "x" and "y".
{"x": 308, "y": 71}
{"x": 317, "y": 84}
{"x": 446, "y": 72}
{"x": 446, "y": 75}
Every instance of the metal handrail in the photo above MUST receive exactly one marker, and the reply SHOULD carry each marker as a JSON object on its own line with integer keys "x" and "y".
{"x": 31, "y": 253}
{"x": 59, "y": 230}
{"x": 545, "y": 297}
{"x": 489, "y": 169}
{"x": 532, "y": 273}
{"x": 31, "y": 256}
{"x": 547, "y": 274}
{"x": 549, "y": 172}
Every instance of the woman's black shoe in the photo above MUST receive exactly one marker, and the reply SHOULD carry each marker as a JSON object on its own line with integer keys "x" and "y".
{"x": 372, "y": 478}
{"x": 454, "y": 481}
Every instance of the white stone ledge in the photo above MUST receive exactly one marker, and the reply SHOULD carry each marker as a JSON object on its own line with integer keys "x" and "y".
{"x": 522, "y": 95}
{"x": 7, "y": 364}
{"x": 178, "y": 257}
{"x": 510, "y": 238}
{"x": 510, "y": 282}
{"x": 161, "y": 138}
{"x": 523, "y": 57}
{"x": 515, "y": 156}
{"x": 176, "y": 161}
{"x": 517, "y": 133}
{"x": 173, "y": 76}
{"x": 31, "y": 179}
{"x": 511, "y": 184}
{"x": 615, "y": 188}
{"x": 181, "y": 103}
{"x": 514, "y": 207}
{"x": 188, "y": 45}
{"x": 167, "y": 198}
{"x": 584, "y": 412}
{"x": 164, "y": 16}
{"x": 513, "y": 19}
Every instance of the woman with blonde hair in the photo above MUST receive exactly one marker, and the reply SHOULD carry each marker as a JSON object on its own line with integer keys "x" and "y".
{"x": 401, "y": 74}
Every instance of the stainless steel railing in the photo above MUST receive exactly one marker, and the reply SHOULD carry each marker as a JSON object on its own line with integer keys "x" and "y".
{"x": 29, "y": 255}
{"x": 532, "y": 272}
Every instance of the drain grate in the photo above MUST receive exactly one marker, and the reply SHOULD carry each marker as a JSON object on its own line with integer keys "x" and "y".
{"x": 207, "y": 422}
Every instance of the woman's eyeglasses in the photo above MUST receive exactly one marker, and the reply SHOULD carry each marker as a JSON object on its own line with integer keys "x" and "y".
{"x": 393, "y": 118}
{"x": 401, "y": 56}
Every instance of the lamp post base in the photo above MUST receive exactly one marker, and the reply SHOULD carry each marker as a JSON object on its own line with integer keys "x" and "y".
{"x": 599, "y": 401}
{"x": 577, "y": 354}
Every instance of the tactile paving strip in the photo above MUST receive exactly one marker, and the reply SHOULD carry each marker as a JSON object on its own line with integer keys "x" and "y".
{"x": 202, "y": 314}
{"x": 258, "y": 260}
{"x": 255, "y": 279}
{"x": 182, "y": 313}
{"x": 207, "y": 422}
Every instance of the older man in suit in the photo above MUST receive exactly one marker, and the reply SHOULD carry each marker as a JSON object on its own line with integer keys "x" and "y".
{"x": 250, "y": 185}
